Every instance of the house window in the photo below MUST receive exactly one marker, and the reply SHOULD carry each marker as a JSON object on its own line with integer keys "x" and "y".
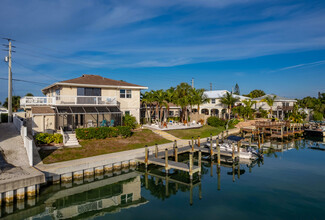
{"x": 126, "y": 93}
{"x": 89, "y": 91}
{"x": 213, "y": 101}
{"x": 57, "y": 94}
{"x": 127, "y": 112}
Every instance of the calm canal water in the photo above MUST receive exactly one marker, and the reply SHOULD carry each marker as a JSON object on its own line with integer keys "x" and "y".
{"x": 288, "y": 184}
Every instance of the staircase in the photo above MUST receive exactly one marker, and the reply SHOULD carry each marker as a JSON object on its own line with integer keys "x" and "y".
{"x": 71, "y": 140}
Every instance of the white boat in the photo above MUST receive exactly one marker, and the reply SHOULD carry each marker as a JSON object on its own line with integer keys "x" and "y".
{"x": 245, "y": 153}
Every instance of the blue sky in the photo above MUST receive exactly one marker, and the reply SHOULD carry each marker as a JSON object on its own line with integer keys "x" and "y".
{"x": 276, "y": 46}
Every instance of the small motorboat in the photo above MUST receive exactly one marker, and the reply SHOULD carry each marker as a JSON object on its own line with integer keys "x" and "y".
{"x": 245, "y": 153}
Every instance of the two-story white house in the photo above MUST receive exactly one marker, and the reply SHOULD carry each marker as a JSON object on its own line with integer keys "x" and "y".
{"x": 86, "y": 101}
{"x": 214, "y": 107}
{"x": 281, "y": 105}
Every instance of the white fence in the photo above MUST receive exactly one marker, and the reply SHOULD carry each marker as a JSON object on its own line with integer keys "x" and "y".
{"x": 28, "y": 142}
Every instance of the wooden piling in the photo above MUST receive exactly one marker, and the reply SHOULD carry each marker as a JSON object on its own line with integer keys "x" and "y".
{"x": 219, "y": 160}
{"x": 146, "y": 156}
{"x": 259, "y": 142}
{"x": 200, "y": 161}
{"x": 198, "y": 141}
{"x": 211, "y": 149}
{"x": 192, "y": 144}
{"x": 250, "y": 142}
{"x": 156, "y": 150}
{"x": 191, "y": 166}
{"x": 176, "y": 154}
{"x": 233, "y": 152}
{"x": 166, "y": 160}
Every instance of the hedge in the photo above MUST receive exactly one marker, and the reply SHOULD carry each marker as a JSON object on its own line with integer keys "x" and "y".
{"x": 216, "y": 122}
{"x": 45, "y": 138}
{"x": 103, "y": 132}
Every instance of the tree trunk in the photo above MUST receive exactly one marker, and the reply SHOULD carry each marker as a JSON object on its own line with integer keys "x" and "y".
{"x": 229, "y": 112}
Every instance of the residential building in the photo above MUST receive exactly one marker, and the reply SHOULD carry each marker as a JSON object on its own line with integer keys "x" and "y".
{"x": 86, "y": 101}
{"x": 280, "y": 107}
{"x": 214, "y": 107}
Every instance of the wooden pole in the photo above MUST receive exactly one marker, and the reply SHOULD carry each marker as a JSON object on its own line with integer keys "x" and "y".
{"x": 222, "y": 136}
{"x": 175, "y": 143}
{"x": 156, "y": 150}
{"x": 219, "y": 160}
{"x": 233, "y": 151}
{"x": 192, "y": 144}
{"x": 211, "y": 150}
{"x": 176, "y": 154}
{"x": 146, "y": 155}
{"x": 191, "y": 165}
{"x": 200, "y": 161}
{"x": 166, "y": 160}
{"x": 199, "y": 141}
{"x": 259, "y": 142}
{"x": 250, "y": 142}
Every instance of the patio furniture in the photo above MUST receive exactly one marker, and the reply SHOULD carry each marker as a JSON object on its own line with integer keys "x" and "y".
{"x": 171, "y": 122}
{"x": 90, "y": 124}
{"x": 112, "y": 123}
{"x": 103, "y": 123}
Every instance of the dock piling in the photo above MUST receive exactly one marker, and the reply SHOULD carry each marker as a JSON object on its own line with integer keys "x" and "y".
{"x": 146, "y": 156}
{"x": 200, "y": 161}
{"x": 166, "y": 160}
{"x": 176, "y": 154}
{"x": 191, "y": 165}
{"x": 156, "y": 151}
{"x": 198, "y": 141}
{"x": 233, "y": 151}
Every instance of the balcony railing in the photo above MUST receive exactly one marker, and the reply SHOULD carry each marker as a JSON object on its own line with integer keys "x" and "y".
{"x": 67, "y": 100}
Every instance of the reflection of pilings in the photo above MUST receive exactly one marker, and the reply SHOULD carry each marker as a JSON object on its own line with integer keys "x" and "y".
{"x": 200, "y": 191}
{"x": 233, "y": 172}
{"x": 166, "y": 183}
{"x": 238, "y": 173}
{"x": 191, "y": 194}
{"x": 146, "y": 179}
{"x": 218, "y": 172}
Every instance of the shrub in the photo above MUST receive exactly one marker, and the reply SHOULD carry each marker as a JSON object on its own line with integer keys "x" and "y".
{"x": 232, "y": 123}
{"x": 4, "y": 117}
{"x": 103, "y": 132}
{"x": 215, "y": 121}
{"x": 130, "y": 121}
{"x": 45, "y": 138}
{"x": 317, "y": 116}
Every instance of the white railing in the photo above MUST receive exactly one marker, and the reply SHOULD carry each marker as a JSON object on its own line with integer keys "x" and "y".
{"x": 67, "y": 100}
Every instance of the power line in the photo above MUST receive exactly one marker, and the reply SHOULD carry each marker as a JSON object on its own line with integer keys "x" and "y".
{"x": 21, "y": 80}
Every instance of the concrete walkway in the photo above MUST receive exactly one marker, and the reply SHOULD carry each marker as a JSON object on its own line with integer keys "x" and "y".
{"x": 15, "y": 171}
{"x": 165, "y": 135}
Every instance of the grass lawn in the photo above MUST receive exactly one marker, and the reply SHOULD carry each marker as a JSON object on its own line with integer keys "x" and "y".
{"x": 203, "y": 132}
{"x": 104, "y": 146}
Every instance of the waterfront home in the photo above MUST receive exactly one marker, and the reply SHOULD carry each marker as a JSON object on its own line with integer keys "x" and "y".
{"x": 281, "y": 105}
{"x": 214, "y": 107}
{"x": 86, "y": 101}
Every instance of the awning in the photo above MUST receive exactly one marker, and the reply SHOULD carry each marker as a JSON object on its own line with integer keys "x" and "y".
{"x": 69, "y": 110}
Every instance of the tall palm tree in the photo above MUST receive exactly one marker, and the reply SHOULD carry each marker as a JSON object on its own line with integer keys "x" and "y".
{"x": 269, "y": 101}
{"x": 169, "y": 98}
{"x": 147, "y": 100}
{"x": 160, "y": 98}
{"x": 248, "y": 107}
{"x": 183, "y": 98}
{"x": 199, "y": 98}
{"x": 229, "y": 100}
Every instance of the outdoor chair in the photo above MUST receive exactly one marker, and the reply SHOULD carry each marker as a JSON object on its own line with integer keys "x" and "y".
{"x": 103, "y": 123}
{"x": 112, "y": 123}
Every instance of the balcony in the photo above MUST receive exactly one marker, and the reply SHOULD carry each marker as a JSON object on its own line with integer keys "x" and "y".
{"x": 29, "y": 101}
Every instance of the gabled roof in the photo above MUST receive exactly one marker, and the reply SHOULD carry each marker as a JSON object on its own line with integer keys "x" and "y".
{"x": 277, "y": 98}
{"x": 217, "y": 94}
{"x": 96, "y": 81}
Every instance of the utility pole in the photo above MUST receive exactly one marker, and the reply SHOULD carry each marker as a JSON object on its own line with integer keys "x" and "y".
{"x": 210, "y": 86}
{"x": 192, "y": 83}
{"x": 9, "y": 77}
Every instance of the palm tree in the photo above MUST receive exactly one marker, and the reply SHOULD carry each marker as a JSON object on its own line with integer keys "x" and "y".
{"x": 160, "y": 98}
{"x": 183, "y": 98}
{"x": 146, "y": 99}
{"x": 199, "y": 98}
{"x": 229, "y": 100}
{"x": 248, "y": 107}
{"x": 269, "y": 101}
{"x": 15, "y": 103}
{"x": 169, "y": 98}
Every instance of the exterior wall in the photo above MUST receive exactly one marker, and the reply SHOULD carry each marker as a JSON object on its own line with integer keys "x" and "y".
{"x": 43, "y": 122}
{"x": 265, "y": 106}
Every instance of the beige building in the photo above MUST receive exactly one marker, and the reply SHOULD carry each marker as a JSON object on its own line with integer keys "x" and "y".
{"x": 86, "y": 101}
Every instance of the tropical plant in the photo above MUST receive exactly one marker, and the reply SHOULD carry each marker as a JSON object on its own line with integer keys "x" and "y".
{"x": 229, "y": 100}
{"x": 147, "y": 100}
{"x": 199, "y": 98}
{"x": 255, "y": 93}
{"x": 269, "y": 101}
{"x": 296, "y": 116}
{"x": 317, "y": 116}
{"x": 15, "y": 103}
{"x": 29, "y": 94}
{"x": 169, "y": 98}
{"x": 216, "y": 122}
{"x": 130, "y": 121}
{"x": 160, "y": 99}
{"x": 183, "y": 99}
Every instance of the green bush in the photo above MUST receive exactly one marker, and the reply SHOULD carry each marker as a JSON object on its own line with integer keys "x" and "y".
{"x": 130, "y": 121}
{"x": 4, "y": 117}
{"x": 45, "y": 138}
{"x": 216, "y": 122}
{"x": 318, "y": 116}
{"x": 103, "y": 132}
{"x": 232, "y": 123}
